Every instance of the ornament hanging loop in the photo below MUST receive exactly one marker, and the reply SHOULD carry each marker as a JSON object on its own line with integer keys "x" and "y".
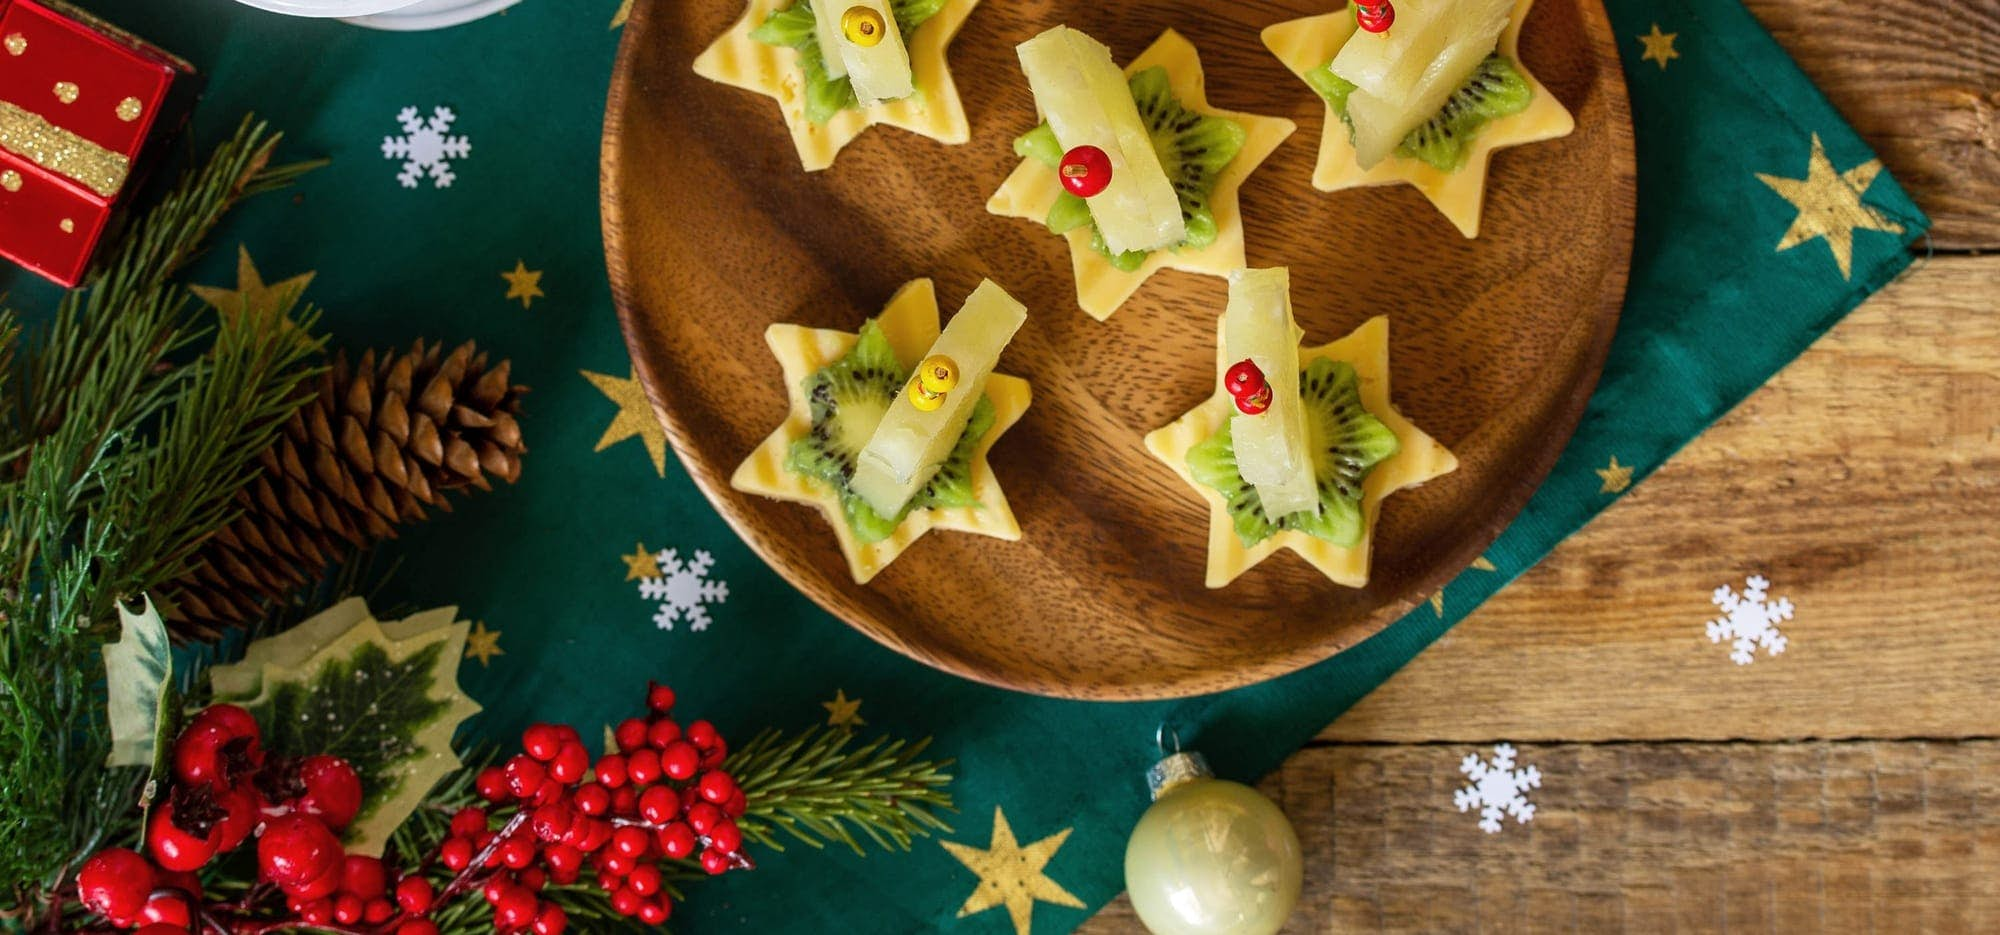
{"x": 1160, "y": 735}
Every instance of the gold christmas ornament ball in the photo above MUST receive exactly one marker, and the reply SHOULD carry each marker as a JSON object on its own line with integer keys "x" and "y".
{"x": 938, "y": 373}
{"x": 862, "y": 26}
{"x": 1211, "y": 857}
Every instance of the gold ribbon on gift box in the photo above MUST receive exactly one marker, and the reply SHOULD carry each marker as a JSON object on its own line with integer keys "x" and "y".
{"x": 26, "y": 134}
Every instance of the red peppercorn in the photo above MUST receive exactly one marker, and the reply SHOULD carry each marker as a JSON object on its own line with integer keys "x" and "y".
{"x": 1254, "y": 403}
{"x": 414, "y": 894}
{"x": 176, "y": 848}
{"x": 643, "y": 765}
{"x": 1243, "y": 378}
{"x": 569, "y": 764}
{"x": 541, "y": 741}
{"x": 630, "y": 734}
{"x": 492, "y": 784}
{"x": 467, "y": 822}
{"x": 550, "y": 920}
{"x": 1376, "y": 17}
{"x": 716, "y": 786}
{"x": 680, "y": 760}
{"x": 455, "y": 853}
{"x": 676, "y": 840}
{"x": 525, "y": 776}
{"x": 592, "y": 800}
{"x": 662, "y": 732}
{"x": 659, "y": 804}
{"x": 659, "y": 697}
{"x": 1085, "y": 171}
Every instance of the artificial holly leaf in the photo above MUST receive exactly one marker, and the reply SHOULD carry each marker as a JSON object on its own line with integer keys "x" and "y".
{"x": 138, "y": 679}
{"x": 242, "y": 680}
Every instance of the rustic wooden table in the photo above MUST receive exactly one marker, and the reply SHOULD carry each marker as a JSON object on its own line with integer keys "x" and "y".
{"x": 1853, "y": 783}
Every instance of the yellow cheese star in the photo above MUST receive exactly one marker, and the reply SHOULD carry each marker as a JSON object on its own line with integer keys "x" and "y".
{"x": 910, "y": 322}
{"x": 251, "y": 295}
{"x": 635, "y": 417}
{"x": 1419, "y": 459}
{"x": 1659, "y": 47}
{"x": 1616, "y": 477}
{"x": 523, "y": 283}
{"x": 1830, "y": 205}
{"x": 640, "y": 564}
{"x": 1305, "y": 44}
{"x": 1011, "y": 875}
{"x": 483, "y": 644}
{"x": 843, "y": 711}
{"x": 1100, "y": 287}
{"x": 934, "y": 111}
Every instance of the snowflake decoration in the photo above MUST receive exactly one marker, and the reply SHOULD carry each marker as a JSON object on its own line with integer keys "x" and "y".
{"x": 1497, "y": 788}
{"x": 1751, "y": 622}
{"x": 426, "y": 147}
{"x": 684, "y": 590}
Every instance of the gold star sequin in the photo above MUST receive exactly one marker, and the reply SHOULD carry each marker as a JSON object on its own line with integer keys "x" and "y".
{"x": 623, "y": 13}
{"x": 640, "y": 564}
{"x": 1659, "y": 47}
{"x": 934, "y": 110}
{"x": 635, "y": 417}
{"x": 1100, "y": 287}
{"x": 1418, "y": 459}
{"x": 1305, "y": 44}
{"x": 910, "y": 322}
{"x": 1830, "y": 205}
{"x": 483, "y": 644}
{"x": 1011, "y": 875}
{"x": 1616, "y": 477}
{"x": 843, "y": 711}
{"x": 252, "y": 296}
{"x": 523, "y": 283}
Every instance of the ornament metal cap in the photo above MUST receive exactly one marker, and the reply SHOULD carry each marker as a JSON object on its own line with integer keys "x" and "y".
{"x": 1176, "y": 768}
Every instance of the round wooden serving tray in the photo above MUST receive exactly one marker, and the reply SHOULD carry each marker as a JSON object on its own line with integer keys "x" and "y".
{"x": 712, "y": 232}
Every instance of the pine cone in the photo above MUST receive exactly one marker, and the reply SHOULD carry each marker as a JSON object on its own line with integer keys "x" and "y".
{"x": 376, "y": 444}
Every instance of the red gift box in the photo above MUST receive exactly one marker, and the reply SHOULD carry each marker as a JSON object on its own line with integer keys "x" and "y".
{"x": 80, "y": 102}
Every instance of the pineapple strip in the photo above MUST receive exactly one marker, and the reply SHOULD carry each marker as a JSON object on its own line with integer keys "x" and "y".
{"x": 1403, "y": 78}
{"x": 1271, "y": 450}
{"x": 880, "y": 72}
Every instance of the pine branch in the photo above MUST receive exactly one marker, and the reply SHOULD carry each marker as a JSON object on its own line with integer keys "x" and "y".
{"x": 814, "y": 789}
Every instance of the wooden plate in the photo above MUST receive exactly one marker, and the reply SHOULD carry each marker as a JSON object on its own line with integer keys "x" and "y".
{"x": 712, "y": 232}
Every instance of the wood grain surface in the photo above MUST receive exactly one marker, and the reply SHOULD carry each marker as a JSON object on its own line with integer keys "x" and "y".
{"x": 1493, "y": 340}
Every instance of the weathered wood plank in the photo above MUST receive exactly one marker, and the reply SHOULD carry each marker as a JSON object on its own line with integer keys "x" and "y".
{"x": 1864, "y": 481}
{"x": 1921, "y": 82}
{"x": 1825, "y": 836}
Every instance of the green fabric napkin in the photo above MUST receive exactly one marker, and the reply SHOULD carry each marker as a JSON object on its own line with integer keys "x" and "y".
{"x": 1758, "y": 228}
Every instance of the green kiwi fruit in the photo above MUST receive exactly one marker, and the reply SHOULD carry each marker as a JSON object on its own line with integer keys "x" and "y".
{"x": 1495, "y": 89}
{"x": 846, "y": 400}
{"x": 1347, "y": 441}
{"x": 795, "y": 27}
{"x": 1193, "y": 151}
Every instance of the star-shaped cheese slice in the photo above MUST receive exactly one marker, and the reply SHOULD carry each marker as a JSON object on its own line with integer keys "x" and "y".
{"x": 1306, "y": 44}
{"x": 1101, "y": 287}
{"x": 910, "y": 322}
{"x": 1419, "y": 459}
{"x": 934, "y": 111}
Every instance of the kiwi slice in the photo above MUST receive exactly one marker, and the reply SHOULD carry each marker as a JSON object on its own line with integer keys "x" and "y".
{"x": 1495, "y": 89}
{"x": 846, "y": 400}
{"x": 1347, "y": 442}
{"x": 1193, "y": 150}
{"x": 794, "y": 27}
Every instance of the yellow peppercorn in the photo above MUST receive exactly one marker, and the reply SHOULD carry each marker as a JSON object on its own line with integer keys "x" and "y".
{"x": 862, "y": 26}
{"x": 923, "y": 399}
{"x": 938, "y": 373}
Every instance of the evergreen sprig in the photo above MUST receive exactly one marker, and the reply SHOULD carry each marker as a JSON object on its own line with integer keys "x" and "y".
{"x": 813, "y": 788}
{"x": 127, "y": 426}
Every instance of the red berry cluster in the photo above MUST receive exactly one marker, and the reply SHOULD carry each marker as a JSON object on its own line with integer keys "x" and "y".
{"x": 662, "y": 797}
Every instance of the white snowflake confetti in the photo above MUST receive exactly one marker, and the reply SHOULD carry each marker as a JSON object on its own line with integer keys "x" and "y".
{"x": 426, "y": 147}
{"x": 1751, "y": 622}
{"x": 1497, "y": 788}
{"x": 683, "y": 590}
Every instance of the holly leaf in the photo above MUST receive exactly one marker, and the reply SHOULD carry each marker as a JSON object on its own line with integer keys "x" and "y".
{"x": 138, "y": 679}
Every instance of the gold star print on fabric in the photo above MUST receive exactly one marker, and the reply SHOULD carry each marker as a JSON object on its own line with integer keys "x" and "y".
{"x": 1419, "y": 459}
{"x": 1100, "y": 287}
{"x": 1659, "y": 47}
{"x": 1011, "y": 875}
{"x": 843, "y": 711}
{"x": 483, "y": 644}
{"x": 623, "y": 13}
{"x": 910, "y": 322}
{"x": 635, "y": 417}
{"x": 1830, "y": 205}
{"x": 252, "y": 295}
{"x": 1305, "y": 44}
{"x": 1437, "y": 600}
{"x": 934, "y": 110}
{"x": 1616, "y": 477}
{"x": 523, "y": 283}
{"x": 640, "y": 564}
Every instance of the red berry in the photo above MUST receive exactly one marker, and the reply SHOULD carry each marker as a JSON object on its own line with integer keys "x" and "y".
{"x": 417, "y": 927}
{"x": 702, "y": 816}
{"x": 659, "y": 805}
{"x": 161, "y": 928}
{"x": 679, "y": 760}
{"x": 333, "y": 790}
{"x": 611, "y": 771}
{"x": 198, "y": 754}
{"x": 551, "y": 920}
{"x": 596, "y": 835}
{"x": 1375, "y": 18}
{"x": 663, "y": 731}
{"x": 168, "y": 909}
{"x": 625, "y": 802}
{"x": 702, "y": 734}
{"x": 676, "y": 840}
{"x": 316, "y": 911}
{"x": 483, "y": 838}
{"x": 176, "y": 848}
{"x": 467, "y": 822}
{"x": 643, "y": 765}
{"x": 631, "y": 734}
{"x": 414, "y": 894}
{"x": 517, "y": 852}
{"x": 625, "y": 902}
{"x": 562, "y": 858}
{"x": 737, "y": 804}
{"x": 496, "y": 889}
{"x": 714, "y": 861}
{"x": 242, "y": 809}
{"x": 652, "y": 913}
{"x": 534, "y": 878}
{"x": 1243, "y": 378}
{"x": 364, "y": 876}
{"x": 552, "y": 821}
{"x": 1085, "y": 171}
{"x": 325, "y": 885}
{"x": 378, "y": 911}
{"x": 659, "y": 697}
{"x": 631, "y": 842}
{"x": 645, "y": 879}
{"x": 618, "y": 864}
{"x": 235, "y": 719}
{"x": 515, "y": 910}
{"x": 492, "y": 784}
{"x": 726, "y": 836}
{"x": 541, "y": 741}
{"x": 182, "y": 880}
{"x": 1254, "y": 403}
{"x": 570, "y": 763}
{"x": 347, "y": 908}
{"x": 525, "y": 776}
{"x": 712, "y": 757}
{"x": 455, "y": 854}
{"x": 592, "y": 800}
{"x": 716, "y": 786}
